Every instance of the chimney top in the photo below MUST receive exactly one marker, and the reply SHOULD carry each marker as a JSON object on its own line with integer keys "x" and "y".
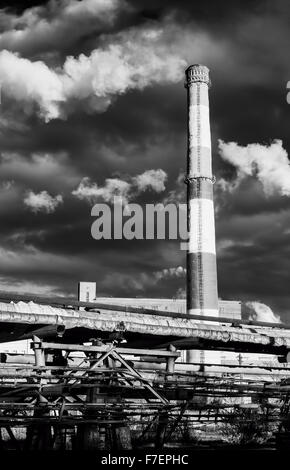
{"x": 197, "y": 73}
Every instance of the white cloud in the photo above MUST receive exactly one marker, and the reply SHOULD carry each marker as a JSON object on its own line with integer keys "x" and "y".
{"x": 269, "y": 164}
{"x": 113, "y": 187}
{"x": 258, "y": 311}
{"x": 116, "y": 187}
{"x": 42, "y": 202}
{"x": 31, "y": 82}
{"x": 151, "y": 179}
{"x": 133, "y": 59}
{"x": 169, "y": 273}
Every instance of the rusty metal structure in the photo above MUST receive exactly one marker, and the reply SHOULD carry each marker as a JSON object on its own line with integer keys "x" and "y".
{"x": 127, "y": 386}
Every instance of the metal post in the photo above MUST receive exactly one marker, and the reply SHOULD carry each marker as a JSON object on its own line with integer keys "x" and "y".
{"x": 38, "y": 352}
{"x": 170, "y": 364}
{"x": 39, "y": 435}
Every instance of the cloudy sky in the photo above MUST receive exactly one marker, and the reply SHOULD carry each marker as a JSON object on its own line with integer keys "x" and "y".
{"x": 93, "y": 105}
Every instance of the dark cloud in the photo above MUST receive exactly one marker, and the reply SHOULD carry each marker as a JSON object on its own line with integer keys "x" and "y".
{"x": 245, "y": 45}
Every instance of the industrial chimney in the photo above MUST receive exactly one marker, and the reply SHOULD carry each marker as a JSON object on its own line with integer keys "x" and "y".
{"x": 202, "y": 297}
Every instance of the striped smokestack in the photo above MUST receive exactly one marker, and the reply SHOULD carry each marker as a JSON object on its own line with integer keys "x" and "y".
{"x": 202, "y": 298}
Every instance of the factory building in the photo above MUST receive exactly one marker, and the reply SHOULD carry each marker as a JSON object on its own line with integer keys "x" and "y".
{"x": 88, "y": 293}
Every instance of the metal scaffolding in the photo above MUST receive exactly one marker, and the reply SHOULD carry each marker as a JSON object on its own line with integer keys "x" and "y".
{"x": 106, "y": 401}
